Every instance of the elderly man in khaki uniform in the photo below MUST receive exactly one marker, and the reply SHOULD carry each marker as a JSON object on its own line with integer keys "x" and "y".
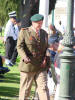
{"x": 32, "y": 45}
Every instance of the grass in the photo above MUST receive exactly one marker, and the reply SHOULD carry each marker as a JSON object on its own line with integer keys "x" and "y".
{"x": 9, "y": 85}
{"x": 2, "y": 48}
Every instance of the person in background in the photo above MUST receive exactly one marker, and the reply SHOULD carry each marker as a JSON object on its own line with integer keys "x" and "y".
{"x": 52, "y": 50}
{"x": 10, "y": 37}
{"x": 34, "y": 63}
{"x": 15, "y": 53}
{"x": 54, "y": 33}
{"x": 57, "y": 65}
{"x": 3, "y": 70}
{"x": 53, "y": 46}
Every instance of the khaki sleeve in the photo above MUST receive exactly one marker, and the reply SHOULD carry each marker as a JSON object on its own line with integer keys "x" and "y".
{"x": 21, "y": 44}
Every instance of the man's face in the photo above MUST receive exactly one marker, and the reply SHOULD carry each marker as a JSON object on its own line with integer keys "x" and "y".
{"x": 37, "y": 25}
{"x": 13, "y": 20}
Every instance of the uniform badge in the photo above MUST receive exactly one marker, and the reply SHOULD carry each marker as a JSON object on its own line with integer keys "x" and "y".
{"x": 30, "y": 38}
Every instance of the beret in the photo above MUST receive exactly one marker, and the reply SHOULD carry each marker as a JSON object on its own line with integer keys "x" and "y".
{"x": 12, "y": 14}
{"x": 37, "y": 17}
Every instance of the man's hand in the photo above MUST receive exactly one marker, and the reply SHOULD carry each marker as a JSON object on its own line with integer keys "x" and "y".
{"x": 43, "y": 65}
{"x": 46, "y": 62}
{"x": 26, "y": 60}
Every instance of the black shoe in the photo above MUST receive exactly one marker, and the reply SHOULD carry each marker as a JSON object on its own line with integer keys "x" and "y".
{"x": 9, "y": 65}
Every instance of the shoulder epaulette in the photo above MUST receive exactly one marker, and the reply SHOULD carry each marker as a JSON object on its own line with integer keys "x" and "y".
{"x": 24, "y": 28}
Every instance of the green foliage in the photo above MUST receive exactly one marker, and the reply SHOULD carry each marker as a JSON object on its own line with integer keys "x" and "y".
{"x": 7, "y": 6}
{"x": 2, "y": 48}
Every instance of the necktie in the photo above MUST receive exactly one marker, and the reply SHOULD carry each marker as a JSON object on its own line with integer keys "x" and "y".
{"x": 14, "y": 28}
{"x": 37, "y": 34}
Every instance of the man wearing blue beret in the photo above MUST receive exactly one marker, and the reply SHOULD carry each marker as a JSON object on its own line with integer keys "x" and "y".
{"x": 34, "y": 63}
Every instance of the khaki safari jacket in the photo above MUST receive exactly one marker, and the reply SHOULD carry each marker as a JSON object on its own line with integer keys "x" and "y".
{"x": 34, "y": 47}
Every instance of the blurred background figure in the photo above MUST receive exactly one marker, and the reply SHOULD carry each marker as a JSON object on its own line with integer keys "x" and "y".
{"x": 54, "y": 33}
{"x": 15, "y": 53}
{"x": 10, "y": 37}
{"x": 57, "y": 68}
{"x": 3, "y": 70}
{"x": 52, "y": 49}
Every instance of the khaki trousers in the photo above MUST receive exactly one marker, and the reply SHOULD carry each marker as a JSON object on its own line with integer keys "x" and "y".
{"x": 26, "y": 80}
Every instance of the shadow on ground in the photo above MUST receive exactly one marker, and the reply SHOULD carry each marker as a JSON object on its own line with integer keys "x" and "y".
{"x": 9, "y": 87}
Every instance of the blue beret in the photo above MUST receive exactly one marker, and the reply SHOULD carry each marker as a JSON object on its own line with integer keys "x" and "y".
{"x": 37, "y": 17}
